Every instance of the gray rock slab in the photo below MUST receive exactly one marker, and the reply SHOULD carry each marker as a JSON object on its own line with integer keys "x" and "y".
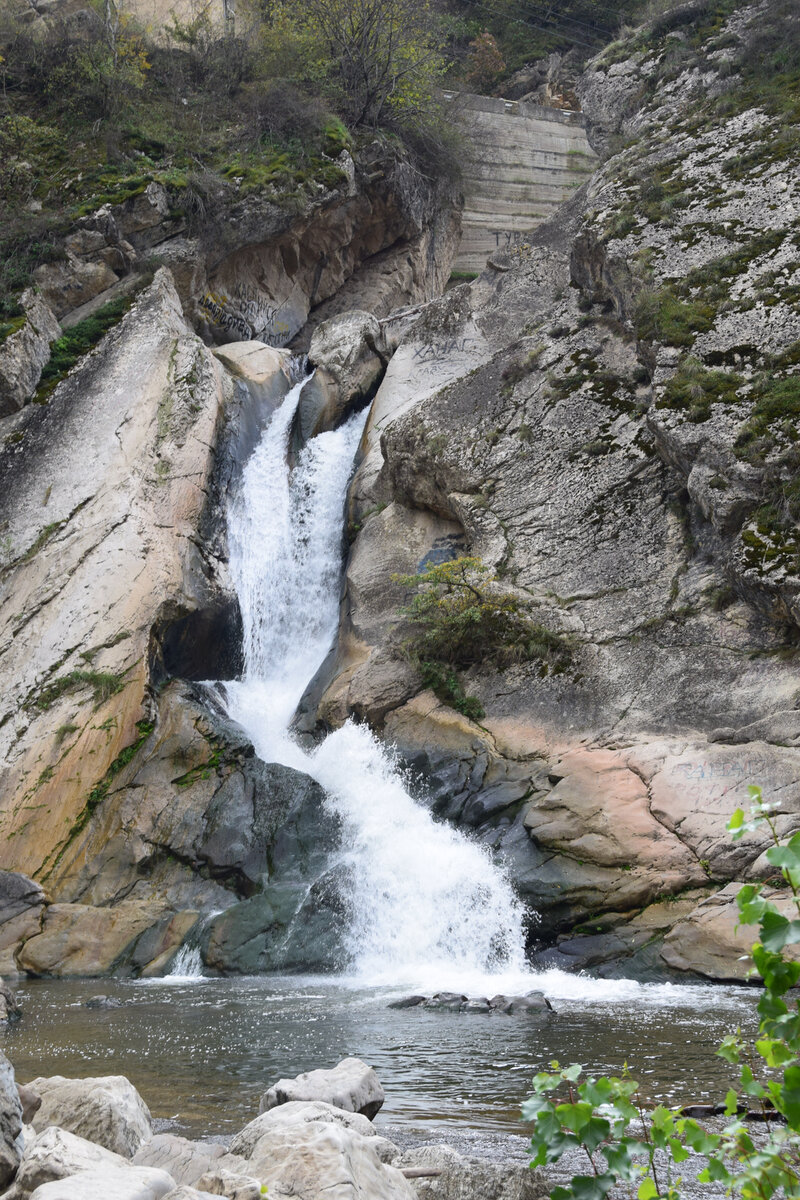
{"x": 109, "y": 1183}
{"x": 107, "y": 1110}
{"x": 351, "y": 1085}
{"x": 10, "y": 1123}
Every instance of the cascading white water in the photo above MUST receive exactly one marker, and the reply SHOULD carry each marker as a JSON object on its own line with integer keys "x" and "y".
{"x": 428, "y": 904}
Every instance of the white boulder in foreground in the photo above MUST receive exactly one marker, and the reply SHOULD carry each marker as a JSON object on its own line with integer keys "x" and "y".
{"x": 323, "y": 1160}
{"x": 109, "y": 1183}
{"x": 10, "y": 1123}
{"x": 350, "y": 1085}
{"x": 107, "y": 1110}
{"x": 57, "y": 1154}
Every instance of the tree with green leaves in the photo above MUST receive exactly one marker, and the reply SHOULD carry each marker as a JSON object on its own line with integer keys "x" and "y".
{"x": 640, "y": 1151}
{"x": 382, "y": 56}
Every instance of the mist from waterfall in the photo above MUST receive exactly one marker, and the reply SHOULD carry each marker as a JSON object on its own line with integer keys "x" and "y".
{"x": 429, "y": 906}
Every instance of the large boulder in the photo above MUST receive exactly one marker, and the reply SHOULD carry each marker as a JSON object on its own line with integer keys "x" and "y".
{"x": 184, "y": 1160}
{"x": 22, "y": 903}
{"x": 24, "y": 353}
{"x": 295, "y": 1112}
{"x": 322, "y": 1160}
{"x": 350, "y": 1085}
{"x": 81, "y": 939}
{"x": 108, "y": 1183}
{"x": 441, "y": 1173}
{"x": 711, "y": 943}
{"x": 56, "y": 1154}
{"x": 348, "y": 357}
{"x": 107, "y": 1110}
{"x": 11, "y": 1143}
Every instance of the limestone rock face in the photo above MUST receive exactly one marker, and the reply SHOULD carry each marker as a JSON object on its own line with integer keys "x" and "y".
{"x": 110, "y": 553}
{"x": 22, "y": 904}
{"x": 69, "y": 284}
{"x": 24, "y": 353}
{"x": 11, "y": 1142}
{"x": 350, "y": 1085}
{"x": 56, "y": 1154}
{"x": 616, "y": 468}
{"x": 107, "y": 1111}
{"x": 318, "y": 1159}
{"x": 710, "y": 942}
{"x": 116, "y": 581}
{"x": 112, "y": 1183}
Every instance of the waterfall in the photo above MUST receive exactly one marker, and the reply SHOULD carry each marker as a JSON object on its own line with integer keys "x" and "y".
{"x": 427, "y": 903}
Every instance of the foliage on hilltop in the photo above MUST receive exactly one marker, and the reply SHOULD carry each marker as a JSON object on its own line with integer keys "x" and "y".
{"x": 93, "y": 108}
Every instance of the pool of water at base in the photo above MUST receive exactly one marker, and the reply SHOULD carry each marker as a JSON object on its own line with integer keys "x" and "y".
{"x": 202, "y": 1051}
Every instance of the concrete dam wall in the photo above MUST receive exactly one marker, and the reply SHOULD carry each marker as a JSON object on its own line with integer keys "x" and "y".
{"x": 523, "y": 161}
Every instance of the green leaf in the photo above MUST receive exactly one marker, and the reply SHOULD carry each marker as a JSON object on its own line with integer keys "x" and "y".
{"x": 592, "y": 1187}
{"x": 594, "y": 1133}
{"x": 647, "y": 1190}
{"x": 715, "y": 1172}
{"x": 736, "y": 821}
{"x": 730, "y": 1048}
{"x": 775, "y": 1052}
{"x": 574, "y": 1116}
{"x": 774, "y": 930}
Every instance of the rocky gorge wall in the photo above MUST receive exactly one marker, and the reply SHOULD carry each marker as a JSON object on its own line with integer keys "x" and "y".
{"x": 605, "y": 417}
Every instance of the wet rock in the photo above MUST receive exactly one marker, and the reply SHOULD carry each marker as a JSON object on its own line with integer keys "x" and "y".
{"x": 56, "y": 1154}
{"x": 447, "y": 1001}
{"x": 477, "y": 1004}
{"x": 407, "y": 1002}
{"x": 531, "y": 1002}
{"x": 318, "y": 1160}
{"x": 441, "y": 1173}
{"x": 350, "y": 1085}
{"x": 22, "y": 903}
{"x": 349, "y": 358}
{"x": 102, "y": 1002}
{"x": 10, "y": 1009}
{"x": 11, "y": 1143}
{"x": 110, "y": 1183}
{"x": 25, "y": 352}
{"x": 107, "y": 1110}
{"x": 30, "y": 1100}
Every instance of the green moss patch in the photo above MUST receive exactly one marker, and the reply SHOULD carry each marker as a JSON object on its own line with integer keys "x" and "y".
{"x": 78, "y": 341}
{"x": 693, "y": 389}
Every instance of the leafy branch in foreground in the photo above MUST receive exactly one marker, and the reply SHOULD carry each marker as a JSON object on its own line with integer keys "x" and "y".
{"x": 626, "y": 1147}
{"x": 460, "y": 618}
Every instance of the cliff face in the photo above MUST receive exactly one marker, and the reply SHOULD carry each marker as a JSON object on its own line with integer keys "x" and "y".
{"x": 608, "y": 418}
{"x": 121, "y": 793}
